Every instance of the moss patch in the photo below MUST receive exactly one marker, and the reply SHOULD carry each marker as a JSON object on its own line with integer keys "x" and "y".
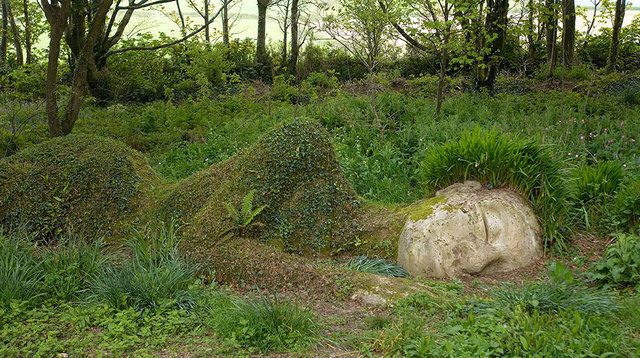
{"x": 82, "y": 184}
{"x": 311, "y": 208}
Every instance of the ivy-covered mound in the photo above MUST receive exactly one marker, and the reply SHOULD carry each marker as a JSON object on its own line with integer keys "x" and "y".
{"x": 87, "y": 185}
{"x": 293, "y": 170}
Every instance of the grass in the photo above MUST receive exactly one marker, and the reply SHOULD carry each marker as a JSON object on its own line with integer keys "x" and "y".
{"x": 21, "y": 271}
{"x": 501, "y": 160}
{"x": 155, "y": 275}
{"x": 375, "y": 266}
{"x": 264, "y": 322}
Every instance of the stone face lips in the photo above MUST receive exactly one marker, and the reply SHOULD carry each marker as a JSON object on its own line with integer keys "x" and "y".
{"x": 470, "y": 230}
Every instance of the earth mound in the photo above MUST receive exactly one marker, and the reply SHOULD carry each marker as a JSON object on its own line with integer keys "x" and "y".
{"x": 309, "y": 207}
{"x": 80, "y": 184}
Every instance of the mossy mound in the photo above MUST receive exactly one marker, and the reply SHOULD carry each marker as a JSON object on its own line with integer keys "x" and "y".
{"x": 310, "y": 206}
{"x": 86, "y": 185}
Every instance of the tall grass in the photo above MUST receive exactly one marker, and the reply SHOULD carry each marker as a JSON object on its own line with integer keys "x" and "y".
{"x": 21, "y": 271}
{"x": 264, "y": 322}
{"x": 500, "y": 160}
{"x": 155, "y": 275}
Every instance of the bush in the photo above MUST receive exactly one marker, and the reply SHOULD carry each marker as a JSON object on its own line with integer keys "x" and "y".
{"x": 620, "y": 264}
{"x": 82, "y": 184}
{"x": 499, "y": 160}
{"x": 378, "y": 267}
{"x": 155, "y": 276}
{"x": 266, "y": 323}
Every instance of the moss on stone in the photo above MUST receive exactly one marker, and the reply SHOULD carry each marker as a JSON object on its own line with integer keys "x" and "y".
{"x": 421, "y": 210}
{"x": 310, "y": 206}
{"x": 82, "y": 184}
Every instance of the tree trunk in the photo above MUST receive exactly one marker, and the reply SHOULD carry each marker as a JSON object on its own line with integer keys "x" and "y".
{"x": 4, "y": 32}
{"x": 263, "y": 65}
{"x": 494, "y": 39}
{"x": 285, "y": 33}
{"x": 225, "y": 22}
{"x": 16, "y": 37}
{"x": 530, "y": 34}
{"x": 551, "y": 28}
{"x": 206, "y": 21}
{"x": 27, "y": 32}
{"x": 444, "y": 62}
{"x": 568, "y": 31}
{"x": 295, "y": 47}
{"x": 615, "y": 36}
{"x": 51, "y": 82}
{"x": 261, "y": 43}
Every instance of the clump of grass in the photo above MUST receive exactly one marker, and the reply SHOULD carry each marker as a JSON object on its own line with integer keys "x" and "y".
{"x": 69, "y": 265}
{"x": 628, "y": 204}
{"x": 499, "y": 160}
{"x": 21, "y": 271}
{"x": 375, "y": 266}
{"x": 156, "y": 275}
{"x": 592, "y": 182}
{"x": 561, "y": 292}
{"x": 265, "y": 323}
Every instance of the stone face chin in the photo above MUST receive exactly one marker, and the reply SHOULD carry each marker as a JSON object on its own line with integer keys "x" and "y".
{"x": 470, "y": 230}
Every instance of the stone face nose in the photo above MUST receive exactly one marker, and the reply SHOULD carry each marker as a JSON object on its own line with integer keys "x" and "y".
{"x": 470, "y": 230}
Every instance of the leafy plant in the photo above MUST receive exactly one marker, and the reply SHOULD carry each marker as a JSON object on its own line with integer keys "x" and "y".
{"x": 500, "y": 160}
{"x": 243, "y": 218}
{"x": 264, "y": 322}
{"x": 620, "y": 264}
{"x": 628, "y": 204}
{"x": 592, "y": 182}
{"x": 156, "y": 275}
{"x": 375, "y": 266}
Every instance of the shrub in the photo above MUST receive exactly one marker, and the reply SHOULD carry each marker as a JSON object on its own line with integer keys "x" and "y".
{"x": 499, "y": 160}
{"x": 266, "y": 323}
{"x": 87, "y": 185}
{"x": 378, "y": 267}
{"x": 620, "y": 264}
{"x": 155, "y": 276}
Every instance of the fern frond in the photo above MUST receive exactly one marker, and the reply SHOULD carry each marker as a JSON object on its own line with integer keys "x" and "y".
{"x": 233, "y": 213}
{"x": 254, "y": 213}
{"x": 247, "y": 205}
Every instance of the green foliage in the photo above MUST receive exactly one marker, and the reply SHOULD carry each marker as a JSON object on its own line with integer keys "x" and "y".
{"x": 595, "y": 182}
{"x": 82, "y": 184}
{"x": 620, "y": 264}
{"x": 155, "y": 276}
{"x": 243, "y": 218}
{"x": 375, "y": 266}
{"x": 265, "y": 323}
{"x": 562, "y": 292}
{"x": 70, "y": 266}
{"x": 310, "y": 207}
{"x": 500, "y": 160}
{"x": 21, "y": 271}
{"x": 628, "y": 204}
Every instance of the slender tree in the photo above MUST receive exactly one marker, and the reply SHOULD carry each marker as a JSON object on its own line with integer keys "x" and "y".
{"x": 615, "y": 36}
{"x": 27, "y": 31}
{"x": 568, "y": 31}
{"x": 4, "y": 32}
